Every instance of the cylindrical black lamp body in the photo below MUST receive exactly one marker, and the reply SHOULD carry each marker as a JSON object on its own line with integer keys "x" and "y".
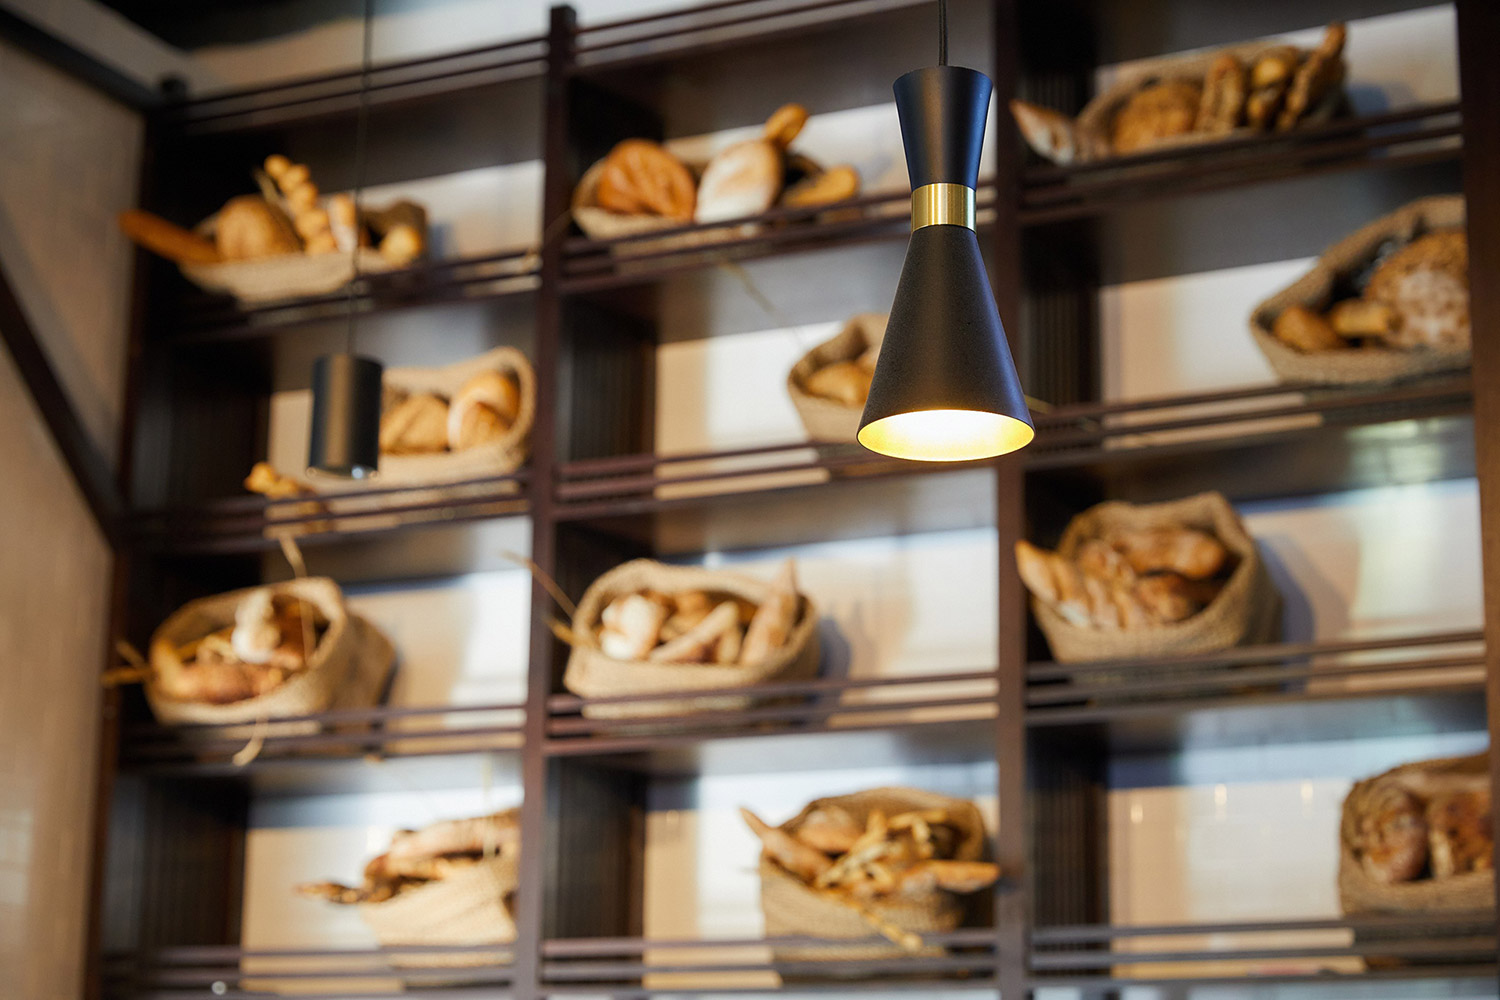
{"x": 345, "y": 438}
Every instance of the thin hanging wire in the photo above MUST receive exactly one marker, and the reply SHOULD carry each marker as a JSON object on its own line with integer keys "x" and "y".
{"x": 361, "y": 129}
{"x": 942, "y": 32}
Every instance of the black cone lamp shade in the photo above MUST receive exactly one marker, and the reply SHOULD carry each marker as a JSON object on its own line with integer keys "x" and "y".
{"x": 345, "y": 439}
{"x": 945, "y": 388}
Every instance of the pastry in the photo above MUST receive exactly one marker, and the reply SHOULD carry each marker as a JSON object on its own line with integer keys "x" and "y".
{"x": 1391, "y": 834}
{"x": 402, "y": 244}
{"x": 846, "y": 382}
{"x": 416, "y": 425}
{"x": 742, "y": 180}
{"x": 1460, "y": 838}
{"x": 1154, "y": 113}
{"x": 266, "y": 481}
{"x": 785, "y": 124}
{"x": 1186, "y": 551}
{"x": 688, "y": 609}
{"x": 321, "y": 243}
{"x": 1305, "y": 330}
{"x": 1165, "y": 597}
{"x": 249, "y": 227}
{"x": 834, "y": 184}
{"x": 1320, "y": 72}
{"x": 641, "y": 178}
{"x": 167, "y": 239}
{"x": 772, "y": 625}
{"x": 276, "y": 167}
{"x": 830, "y": 829}
{"x": 311, "y": 223}
{"x": 1224, "y": 92}
{"x": 255, "y": 636}
{"x": 1056, "y": 136}
{"x": 700, "y": 643}
{"x": 1102, "y": 561}
{"x": 1426, "y": 283}
{"x": 1270, "y": 79}
{"x": 1055, "y": 581}
{"x": 343, "y": 221}
{"x": 631, "y": 626}
{"x": 1362, "y": 318}
{"x": 484, "y": 409}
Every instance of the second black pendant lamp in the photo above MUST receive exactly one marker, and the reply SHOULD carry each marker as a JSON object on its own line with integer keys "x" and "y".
{"x": 945, "y": 387}
{"x": 344, "y": 439}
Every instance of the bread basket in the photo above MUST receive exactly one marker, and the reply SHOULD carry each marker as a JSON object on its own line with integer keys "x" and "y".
{"x": 1471, "y": 892}
{"x": 827, "y": 419}
{"x": 602, "y": 224}
{"x": 347, "y": 669}
{"x": 1245, "y": 612}
{"x": 468, "y": 906}
{"x": 1357, "y": 365}
{"x": 792, "y": 908}
{"x": 591, "y": 674}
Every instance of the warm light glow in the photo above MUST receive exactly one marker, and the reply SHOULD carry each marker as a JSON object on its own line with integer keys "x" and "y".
{"x": 946, "y": 435}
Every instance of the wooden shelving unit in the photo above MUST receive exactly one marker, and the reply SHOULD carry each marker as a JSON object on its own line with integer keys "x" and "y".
{"x": 174, "y": 808}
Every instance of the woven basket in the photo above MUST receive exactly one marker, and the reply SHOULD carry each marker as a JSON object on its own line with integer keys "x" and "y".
{"x": 1358, "y": 893}
{"x": 466, "y": 907}
{"x": 286, "y": 276}
{"x": 1243, "y": 613}
{"x": 793, "y": 908}
{"x": 591, "y": 674}
{"x": 1357, "y": 365}
{"x": 602, "y": 224}
{"x": 330, "y": 670}
{"x": 498, "y": 457}
{"x": 824, "y": 419}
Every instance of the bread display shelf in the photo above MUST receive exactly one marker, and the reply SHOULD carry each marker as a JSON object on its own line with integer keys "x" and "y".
{"x": 477, "y": 278}
{"x": 1098, "y": 956}
{"x": 1426, "y": 134}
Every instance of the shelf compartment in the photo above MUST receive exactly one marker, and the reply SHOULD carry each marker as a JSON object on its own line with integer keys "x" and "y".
{"x": 1449, "y": 946}
{"x": 226, "y": 971}
{"x": 637, "y": 966}
{"x": 594, "y": 264}
{"x": 1289, "y": 692}
{"x": 1412, "y": 137}
{"x": 251, "y": 523}
{"x": 212, "y": 319}
{"x": 310, "y": 97}
{"x": 342, "y": 734}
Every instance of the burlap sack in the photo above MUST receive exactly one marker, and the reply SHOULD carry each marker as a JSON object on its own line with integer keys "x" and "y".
{"x": 591, "y": 674}
{"x": 1357, "y": 365}
{"x": 467, "y": 907}
{"x": 1245, "y": 612}
{"x": 825, "y": 419}
{"x": 499, "y": 457}
{"x": 1098, "y": 115}
{"x": 602, "y": 224}
{"x": 330, "y": 672}
{"x": 793, "y": 908}
{"x": 1358, "y": 893}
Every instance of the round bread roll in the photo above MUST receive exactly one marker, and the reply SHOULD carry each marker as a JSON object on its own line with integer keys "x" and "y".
{"x": 1426, "y": 282}
{"x": 1153, "y": 113}
{"x": 248, "y": 227}
{"x": 484, "y": 409}
{"x": 642, "y": 178}
{"x": 742, "y": 180}
{"x": 846, "y": 382}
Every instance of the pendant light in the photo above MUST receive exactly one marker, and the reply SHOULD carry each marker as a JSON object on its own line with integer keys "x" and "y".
{"x": 945, "y": 387}
{"x": 345, "y": 436}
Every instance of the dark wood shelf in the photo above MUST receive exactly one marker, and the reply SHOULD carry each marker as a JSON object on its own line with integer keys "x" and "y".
{"x": 342, "y": 734}
{"x": 252, "y": 523}
{"x": 1411, "y": 137}
{"x": 210, "y": 319}
{"x": 311, "y": 98}
{"x": 1281, "y": 693}
{"x": 619, "y": 966}
{"x": 216, "y": 971}
{"x": 1444, "y": 946}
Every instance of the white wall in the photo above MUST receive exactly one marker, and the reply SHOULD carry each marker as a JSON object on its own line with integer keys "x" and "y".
{"x": 69, "y": 165}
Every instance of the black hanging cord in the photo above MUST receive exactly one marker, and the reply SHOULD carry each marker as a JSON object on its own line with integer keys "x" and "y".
{"x": 361, "y": 127}
{"x": 942, "y": 32}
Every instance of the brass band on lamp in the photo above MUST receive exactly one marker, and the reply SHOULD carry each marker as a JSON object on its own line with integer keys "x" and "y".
{"x": 943, "y": 204}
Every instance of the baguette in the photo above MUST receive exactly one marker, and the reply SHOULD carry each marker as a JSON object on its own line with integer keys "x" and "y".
{"x": 167, "y": 239}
